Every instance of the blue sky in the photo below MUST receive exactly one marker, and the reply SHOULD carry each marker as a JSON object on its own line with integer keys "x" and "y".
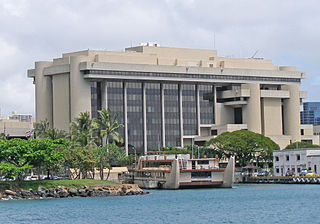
{"x": 285, "y": 31}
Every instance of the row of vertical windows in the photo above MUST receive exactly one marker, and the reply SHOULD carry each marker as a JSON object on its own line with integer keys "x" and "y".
{"x": 171, "y": 111}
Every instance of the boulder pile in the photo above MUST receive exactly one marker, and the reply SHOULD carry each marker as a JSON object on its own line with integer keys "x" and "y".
{"x": 65, "y": 192}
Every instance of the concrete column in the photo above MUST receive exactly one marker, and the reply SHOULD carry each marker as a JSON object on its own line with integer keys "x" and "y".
{"x": 198, "y": 108}
{"x": 215, "y": 104}
{"x": 144, "y": 117}
{"x": 104, "y": 94}
{"x": 180, "y": 114}
{"x": 252, "y": 111}
{"x": 163, "y": 121}
{"x": 125, "y": 117}
{"x": 61, "y": 104}
{"x": 43, "y": 93}
{"x": 291, "y": 110}
{"x": 80, "y": 89}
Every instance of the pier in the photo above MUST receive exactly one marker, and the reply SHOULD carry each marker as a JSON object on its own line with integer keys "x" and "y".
{"x": 279, "y": 180}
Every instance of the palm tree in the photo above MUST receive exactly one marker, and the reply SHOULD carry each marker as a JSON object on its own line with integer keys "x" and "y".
{"x": 107, "y": 128}
{"x": 54, "y": 134}
{"x": 81, "y": 130}
{"x": 3, "y": 137}
{"x": 41, "y": 128}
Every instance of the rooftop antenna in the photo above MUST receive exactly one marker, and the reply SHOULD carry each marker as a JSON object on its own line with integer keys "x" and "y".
{"x": 254, "y": 53}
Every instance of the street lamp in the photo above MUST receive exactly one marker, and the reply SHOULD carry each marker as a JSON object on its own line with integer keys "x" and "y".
{"x": 135, "y": 157}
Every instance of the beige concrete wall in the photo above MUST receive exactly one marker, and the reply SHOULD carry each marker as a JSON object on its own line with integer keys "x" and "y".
{"x": 185, "y": 53}
{"x": 205, "y": 131}
{"x": 80, "y": 89}
{"x": 308, "y": 129}
{"x": 61, "y": 103}
{"x": 15, "y": 128}
{"x": 246, "y": 63}
{"x": 282, "y": 140}
{"x": 291, "y": 110}
{"x": 251, "y": 112}
{"x": 224, "y": 114}
{"x": 129, "y": 58}
{"x": 272, "y": 116}
{"x": 43, "y": 96}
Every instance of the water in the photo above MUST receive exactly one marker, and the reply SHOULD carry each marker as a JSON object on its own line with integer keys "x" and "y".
{"x": 242, "y": 204}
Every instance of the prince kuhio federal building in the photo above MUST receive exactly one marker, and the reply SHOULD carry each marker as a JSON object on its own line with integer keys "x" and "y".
{"x": 172, "y": 96}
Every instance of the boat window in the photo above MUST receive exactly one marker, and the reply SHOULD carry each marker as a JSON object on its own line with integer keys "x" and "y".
{"x": 200, "y": 174}
{"x": 203, "y": 162}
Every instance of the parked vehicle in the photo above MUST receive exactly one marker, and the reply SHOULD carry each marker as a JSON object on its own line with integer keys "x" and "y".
{"x": 50, "y": 177}
{"x": 290, "y": 173}
{"x": 263, "y": 173}
{"x": 303, "y": 172}
{"x": 33, "y": 177}
{"x": 311, "y": 174}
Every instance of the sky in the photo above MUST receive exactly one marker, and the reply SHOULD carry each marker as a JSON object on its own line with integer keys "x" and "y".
{"x": 286, "y": 31}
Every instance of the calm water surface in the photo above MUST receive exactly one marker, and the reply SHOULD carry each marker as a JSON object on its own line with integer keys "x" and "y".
{"x": 242, "y": 204}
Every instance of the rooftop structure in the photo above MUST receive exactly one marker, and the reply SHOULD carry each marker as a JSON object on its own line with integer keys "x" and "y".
{"x": 169, "y": 96}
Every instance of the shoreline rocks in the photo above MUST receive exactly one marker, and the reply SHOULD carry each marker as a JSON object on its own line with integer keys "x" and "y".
{"x": 65, "y": 192}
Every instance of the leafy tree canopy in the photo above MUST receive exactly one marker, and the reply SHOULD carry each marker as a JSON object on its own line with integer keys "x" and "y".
{"x": 301, "y": 145}
{"x": 246, "y": 145}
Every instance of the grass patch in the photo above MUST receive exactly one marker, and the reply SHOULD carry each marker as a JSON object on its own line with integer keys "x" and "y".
{"x": 34, "y": 184}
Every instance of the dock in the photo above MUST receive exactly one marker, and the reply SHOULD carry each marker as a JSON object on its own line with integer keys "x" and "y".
{"x": 279, "y": 180}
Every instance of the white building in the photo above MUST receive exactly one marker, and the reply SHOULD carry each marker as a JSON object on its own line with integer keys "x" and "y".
{"x": 296, "y": 160}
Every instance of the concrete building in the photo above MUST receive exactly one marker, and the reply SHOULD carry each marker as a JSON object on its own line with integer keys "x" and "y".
{"x": 16, "y": 125}
{"x": 169, "y": 96}
{"x": 296, "y": 160}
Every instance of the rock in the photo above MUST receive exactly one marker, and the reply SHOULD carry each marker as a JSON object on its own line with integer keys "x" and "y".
{"x": 101, "y": 193}
{"x": 83, "y": 192}
{"x": 73, "y": 192}
{"x": 40, "y": 188}
{"x": 9, "y": 192}
{"x": 26, "y": 194}
{"x": 63, "y": 193}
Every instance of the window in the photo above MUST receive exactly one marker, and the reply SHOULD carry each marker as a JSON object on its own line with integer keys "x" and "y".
{"x": 277, "y": 158}
{"x": 298, "y": 157}
{"x": 201, "y": 174}
{"x": 302, "y": 131}
{"x": 277, "y": 170}
{"x": 214, "y": 132}
{"x": 203, "y": 162}
{"x": 287, "y": 157}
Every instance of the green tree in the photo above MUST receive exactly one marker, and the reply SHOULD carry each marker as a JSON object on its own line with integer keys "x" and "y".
{"x": 42, "y": 130}
{"x": 108, "y": 127}
{"x": 100, "y": 156}
{"x": 16, "y": 157}
{"x": 81, "y": 130}
{"x": 301, "y": 145}
{"x": 3, "y": 137}
{"x": 246, "y": 145}
{"x": 79, "y": 160}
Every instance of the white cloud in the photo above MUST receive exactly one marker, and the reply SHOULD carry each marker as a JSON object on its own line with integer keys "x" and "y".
{"x": 285, "y": 31}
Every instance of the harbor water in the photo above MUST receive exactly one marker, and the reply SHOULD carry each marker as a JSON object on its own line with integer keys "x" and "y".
{"x": 245, "y": 203}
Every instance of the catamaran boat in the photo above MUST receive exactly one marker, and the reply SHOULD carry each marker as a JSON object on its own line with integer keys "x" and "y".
{"x": 180, "y": 171}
